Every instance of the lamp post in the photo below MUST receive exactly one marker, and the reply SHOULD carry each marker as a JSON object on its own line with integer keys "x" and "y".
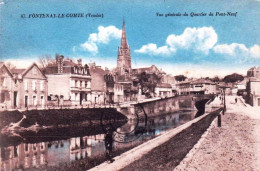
{"x": 224, "y": 91}
{"x": 224, "y": 94}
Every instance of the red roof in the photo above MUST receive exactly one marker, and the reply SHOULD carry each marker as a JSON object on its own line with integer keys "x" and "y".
{"x": 164, "y": 85}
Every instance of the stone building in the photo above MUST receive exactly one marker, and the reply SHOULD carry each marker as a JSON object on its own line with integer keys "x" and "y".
{"x": 254, "y": 72}
{"x": 7, "y": 91}
{"x": 32, "y": 87}
{"x": 98, "y": 86}
{"x": 118, "y": 93}
{"x": 163, "y": 90}
{"x": 199, "y": 86}
{"x": 69, "y": 83}
{"x": 148, "y": 70}
{"x": 23, "y": 88}
{"x": 110, "y": 83}
{"x": 253, "y": 92}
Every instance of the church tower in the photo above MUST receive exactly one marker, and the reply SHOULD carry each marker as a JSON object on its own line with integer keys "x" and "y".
{"x": 124, "y": 56}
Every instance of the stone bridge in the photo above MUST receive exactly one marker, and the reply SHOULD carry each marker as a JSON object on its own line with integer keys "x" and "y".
{"x": 166, "y": 105}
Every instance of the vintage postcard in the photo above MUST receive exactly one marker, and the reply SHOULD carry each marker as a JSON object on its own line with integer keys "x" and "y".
{"x": 129, "y": 85}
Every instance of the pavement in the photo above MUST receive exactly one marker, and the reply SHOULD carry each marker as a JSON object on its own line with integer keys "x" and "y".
{"x": 234, "y": 146}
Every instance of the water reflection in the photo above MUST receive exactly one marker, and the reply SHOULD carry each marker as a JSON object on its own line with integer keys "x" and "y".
{"x": 41, "y": 155}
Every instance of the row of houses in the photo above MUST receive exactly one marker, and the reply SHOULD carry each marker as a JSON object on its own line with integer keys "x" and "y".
{"x": 67, "y": 83}
{"x": 62, "y": 83}
{"x": 249, "y": 88}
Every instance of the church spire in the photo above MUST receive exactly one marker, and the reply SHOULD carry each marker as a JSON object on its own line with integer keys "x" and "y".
{"x": 123, "y": 38}
{"x": 124, "y": 55}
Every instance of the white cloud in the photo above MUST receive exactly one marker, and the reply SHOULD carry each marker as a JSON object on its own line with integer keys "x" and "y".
{"x": 255, "y": 51}
{"x": 238, "y": 50}
{"x": 104, "y": 35}
{"x": 152, "y": 49}
{"x": 199, "y": 39}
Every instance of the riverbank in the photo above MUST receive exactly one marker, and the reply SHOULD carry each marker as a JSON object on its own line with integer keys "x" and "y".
{"x": 147, "y": 155}
{"x": 56, "y": 117}
{"x": 234, "y": 146}
{"x": 169, "y": 154}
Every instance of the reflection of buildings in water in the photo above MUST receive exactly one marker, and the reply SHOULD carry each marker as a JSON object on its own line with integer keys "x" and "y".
{"x": 88, "y": 146}
{"x": 165, "y": 120}
{"x": 39, "y": 155}
{"x": 58, "y": 152}
{"x": 24, "y": 156}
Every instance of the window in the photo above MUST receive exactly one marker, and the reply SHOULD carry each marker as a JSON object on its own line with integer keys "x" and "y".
{"x": 86, "y": 84}
{"x": 3, "y": 82}
{"x": 34, "y": 100}
{"x": 33, "y": 85}
{"x": 76, "y": 82}
{"x": 25, "y": 85}
{"x": 80, "y": 85}
{"x": 42, "y": 85}
{"x": 26, "y": 148}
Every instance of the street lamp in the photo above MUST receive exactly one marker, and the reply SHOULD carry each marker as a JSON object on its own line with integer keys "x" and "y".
{"x": 224, "y": 94}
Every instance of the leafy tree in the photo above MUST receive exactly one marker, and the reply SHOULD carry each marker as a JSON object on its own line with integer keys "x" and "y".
{"x": 148, "y": 82}
{"x": 215, "y": 79}
{"x": 180, "y": 77}
{"x": 233, "y": 78}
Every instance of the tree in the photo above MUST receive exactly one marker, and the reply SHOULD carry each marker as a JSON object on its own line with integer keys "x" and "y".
{"x": 215, "y": 79}
{"x": 233, "y": 78}
{"x": 180, "y": 77}
{"x": 44, "y": 61}
{"x": 148, "y": 82}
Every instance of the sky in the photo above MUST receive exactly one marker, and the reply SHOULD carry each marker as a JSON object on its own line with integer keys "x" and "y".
{"x": 196, "y": 45}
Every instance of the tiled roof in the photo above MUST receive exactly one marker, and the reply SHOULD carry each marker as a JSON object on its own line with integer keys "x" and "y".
{"x": 97, "y": 70}
{"x": 164, "y": 85}
{"x": 69, "y": 63}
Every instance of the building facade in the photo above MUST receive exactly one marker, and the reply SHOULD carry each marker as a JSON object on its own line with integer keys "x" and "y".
{"x": 98, "y": 86}
{"x": 163, "y": 90}
{"x": 253, "y": 92}
{"x": 33, "y": 88}
{"x": 69, "y": 83}
{"x": 254, "y": 72}
{"x": 199, "y": 86}
{"x": 7, "y": 92}
{"x": 23, "y": 88}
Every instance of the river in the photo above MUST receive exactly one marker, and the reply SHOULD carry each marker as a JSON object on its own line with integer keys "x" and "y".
{"x": 51, "y": 153}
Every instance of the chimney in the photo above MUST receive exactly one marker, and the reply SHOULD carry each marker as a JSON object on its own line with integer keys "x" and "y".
{"x": 60, "y": 63}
